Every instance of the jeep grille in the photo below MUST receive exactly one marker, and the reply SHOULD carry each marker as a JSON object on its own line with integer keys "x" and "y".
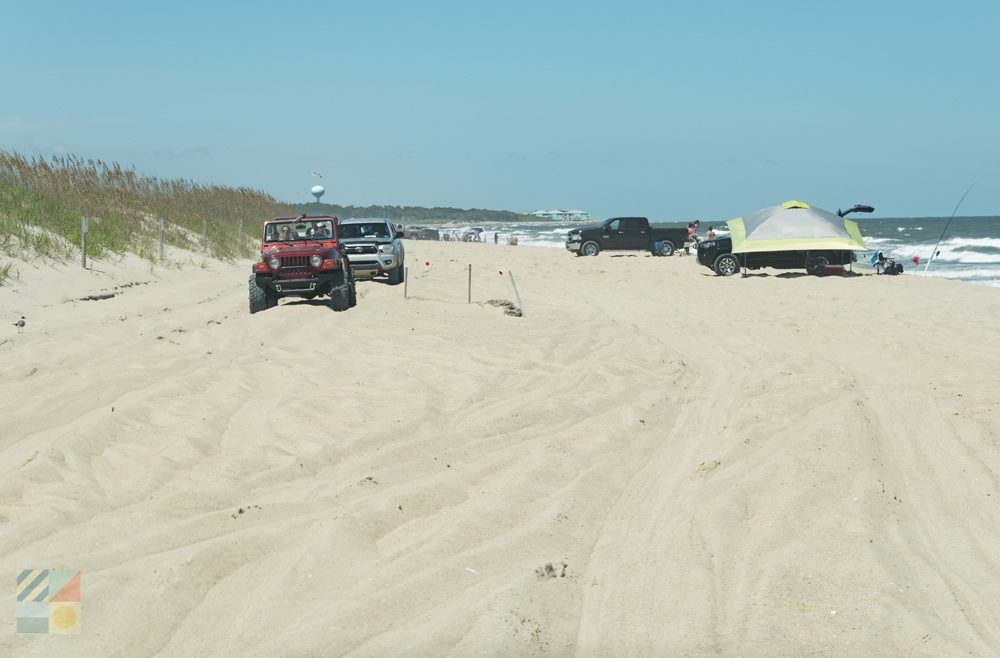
{"x": 294, "y": 264}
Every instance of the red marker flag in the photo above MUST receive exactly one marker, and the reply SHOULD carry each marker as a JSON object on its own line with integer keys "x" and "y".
{"x": 916, "y": 260}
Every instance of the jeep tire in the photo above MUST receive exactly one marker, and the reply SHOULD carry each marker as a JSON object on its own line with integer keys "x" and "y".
{"x": 261, "y": 299}
{"x": 340, "y": 298}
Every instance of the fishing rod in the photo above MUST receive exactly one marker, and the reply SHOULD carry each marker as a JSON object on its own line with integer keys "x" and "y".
{"x": 934, "y": 253}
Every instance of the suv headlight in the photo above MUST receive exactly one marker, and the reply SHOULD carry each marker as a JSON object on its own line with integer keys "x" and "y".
{"x": 274, "y": 263}
{"x": 316, "y": 260}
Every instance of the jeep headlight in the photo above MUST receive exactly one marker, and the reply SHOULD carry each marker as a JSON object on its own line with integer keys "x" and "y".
{"x": 316, "y": 260}
{"x": 274, "y": 263}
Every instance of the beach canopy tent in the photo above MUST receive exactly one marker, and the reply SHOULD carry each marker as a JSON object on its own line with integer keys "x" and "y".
{"x": 793, "y": 226}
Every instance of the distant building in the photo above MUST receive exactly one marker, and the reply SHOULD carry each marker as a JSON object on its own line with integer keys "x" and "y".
{"x": 563, "y": 215}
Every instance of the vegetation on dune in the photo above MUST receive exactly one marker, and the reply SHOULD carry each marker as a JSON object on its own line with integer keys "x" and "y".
{"x": 416, "y": 214}
{"x": 42, "y": 201}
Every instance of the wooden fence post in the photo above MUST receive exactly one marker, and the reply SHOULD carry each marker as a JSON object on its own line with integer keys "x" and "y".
{"x": 83, "y": 240}
{"x": 520, "y": 306}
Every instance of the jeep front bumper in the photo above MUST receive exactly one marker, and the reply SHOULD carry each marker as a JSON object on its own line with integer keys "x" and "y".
{"x": 320, "y": 283}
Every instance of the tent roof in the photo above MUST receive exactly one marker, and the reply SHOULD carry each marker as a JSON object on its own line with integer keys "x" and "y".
{"x": 793, "y": 226}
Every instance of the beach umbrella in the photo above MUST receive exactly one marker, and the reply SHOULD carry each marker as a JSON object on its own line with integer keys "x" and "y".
{"x": 793, "y": 226}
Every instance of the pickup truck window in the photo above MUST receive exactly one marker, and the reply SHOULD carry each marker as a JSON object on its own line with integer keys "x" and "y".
{"x": 633, "y": 224}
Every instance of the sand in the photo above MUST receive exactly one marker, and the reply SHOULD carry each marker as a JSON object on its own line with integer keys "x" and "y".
{"x": 651, "y": 461}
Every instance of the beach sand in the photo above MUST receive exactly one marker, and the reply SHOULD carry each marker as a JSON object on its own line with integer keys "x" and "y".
{"x": 652, "y": 461}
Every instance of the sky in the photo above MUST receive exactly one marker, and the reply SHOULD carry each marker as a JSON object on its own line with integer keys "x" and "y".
{"x": 674, "y": 111}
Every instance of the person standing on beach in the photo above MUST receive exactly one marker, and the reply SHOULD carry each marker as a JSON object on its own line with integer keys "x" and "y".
{"x": 691, "y": 238}
{"x": 711, "y": 233}
{"x": 496, "y": 238}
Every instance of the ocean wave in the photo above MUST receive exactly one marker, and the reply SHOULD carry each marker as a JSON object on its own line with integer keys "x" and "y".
{"x": 978, "y": 275}
{"x": 955, "y": 250}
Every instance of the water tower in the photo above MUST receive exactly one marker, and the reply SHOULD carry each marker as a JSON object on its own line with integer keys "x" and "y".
{"x": 317, "y": 191}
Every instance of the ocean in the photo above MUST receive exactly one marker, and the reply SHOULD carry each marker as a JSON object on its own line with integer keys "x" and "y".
{"x": 970, "y": 250}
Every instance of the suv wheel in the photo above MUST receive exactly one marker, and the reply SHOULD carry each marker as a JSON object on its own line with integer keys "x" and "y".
{"x": 815, "y": 264}
{"x": 396, "y": 276}
{"x": 590, "y": 248}
{"x": 726, "y": 265}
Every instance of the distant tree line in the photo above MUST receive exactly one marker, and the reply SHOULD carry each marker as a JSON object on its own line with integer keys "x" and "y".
{"x": 417, "y": 214}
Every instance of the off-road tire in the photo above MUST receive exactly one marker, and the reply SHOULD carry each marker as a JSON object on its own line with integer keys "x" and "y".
{"x": 590, "y": 248}
{"x": 340, "y": 298}
{"x": 396, "y": 276}
{"x": 260, "y": 298}
{"x": 353, "y": 294}
{"x": 726, "y": 265}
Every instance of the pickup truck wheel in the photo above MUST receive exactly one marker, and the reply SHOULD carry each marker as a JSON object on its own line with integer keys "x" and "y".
{"x": 590, "y": 248}
{"x": 260, "y": 299}
{"x": 667, "y": 249}
{"x": 396, "y": 276}
{"x": 726, "y": 265}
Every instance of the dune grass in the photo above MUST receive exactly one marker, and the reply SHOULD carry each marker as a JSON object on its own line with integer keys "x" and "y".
{"x": 42, "y": 201}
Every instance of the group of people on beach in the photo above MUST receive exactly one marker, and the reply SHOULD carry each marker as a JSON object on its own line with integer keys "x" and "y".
{"x": 477, "y": 236}
{"x": 693, "y": 238}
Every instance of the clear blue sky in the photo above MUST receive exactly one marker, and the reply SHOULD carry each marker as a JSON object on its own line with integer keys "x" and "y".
{"x": 676, "y": 111}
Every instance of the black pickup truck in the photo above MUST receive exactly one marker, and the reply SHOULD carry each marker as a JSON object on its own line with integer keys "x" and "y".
{"x": 625, "y": 233}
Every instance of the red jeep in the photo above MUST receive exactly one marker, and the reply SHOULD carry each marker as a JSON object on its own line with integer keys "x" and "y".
{"x": 301, "y": 257}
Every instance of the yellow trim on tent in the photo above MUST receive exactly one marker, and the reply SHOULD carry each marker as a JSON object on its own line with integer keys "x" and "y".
{"x": 852, "y": 228}
{"x": 804, "y": 244}
{"x": 737, "y": 230}
{"x": 795, "y": 204}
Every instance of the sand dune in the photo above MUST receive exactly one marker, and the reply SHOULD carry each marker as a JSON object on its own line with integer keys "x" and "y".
{"x": 652, "y": 461}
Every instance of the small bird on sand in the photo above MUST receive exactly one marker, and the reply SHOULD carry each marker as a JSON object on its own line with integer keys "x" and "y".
{"x": 20, "y": 324}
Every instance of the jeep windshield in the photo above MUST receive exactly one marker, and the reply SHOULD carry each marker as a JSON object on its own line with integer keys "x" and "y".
{"x": 299, "y": 229}
{"x": 366, "y": 230}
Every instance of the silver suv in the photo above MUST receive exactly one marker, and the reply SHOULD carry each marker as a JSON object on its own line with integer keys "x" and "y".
{"x": 373, "y": 247}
